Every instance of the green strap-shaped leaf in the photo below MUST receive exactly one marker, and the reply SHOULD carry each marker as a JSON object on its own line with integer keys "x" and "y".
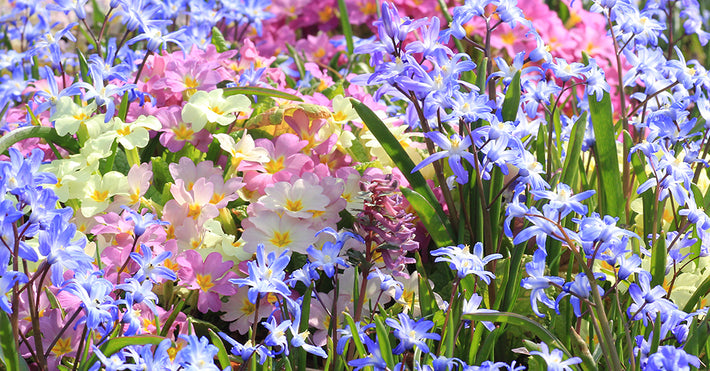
{"x": 8, "y": 349}
{"x": 264, "y": 92}
{"x": 114, "y": 345}
{"x": 511, "y": 103}
{"x": 574, "y": 150}
{"x": 383, "y": 339}
{"x": 611, "y": 196}
{"x": 518, "y": 320}
{"x": 222, "y": 355}
{"x": 347, "y": 28}
{"x": 400, "y": 158}
{"x": 44, "y": 132}
{"x": 428, "y": 216}
{"x": 359, "y": 347}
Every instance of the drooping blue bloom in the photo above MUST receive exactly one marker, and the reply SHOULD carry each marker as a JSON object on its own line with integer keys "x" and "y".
{"x": 197, "y": 355}
{"x": 454, "y": 148}
{"x": 95, "y": 296}
{"x": 537, "y": 281}
{"x": 8, "y": 279}
{"x": 387, "y": 283}
{"x": 117, "y": 361}
{"x": 51, "y": 96}
{"x": 63, "y": 252}
{"x": 157, "y": 39}
{"x": 579, "y": 288}
{"x": 247, "y": 350}
{"x": 554, "y": 359}
{"x": 564, "y": 199}
{"x": 345, "y": 334}
{"x": 24, "y": 172}
{"x": 266, "y": 274}
{"x": 430, "y": 45}
{"x": 106, "y": 65}
{"x": 463, "y": 14}
{"x": 140, "y": 292}
{"x": 66, "y": 6}
{"x": 142, "y": 222}
{"x": 50, "y": 42}
{"x": 648, "y": 302}
{"x": 328, "y": 257}
{"x": 596, "y": 83}
{"x": 103, "y": 94}
{"x": 507, "y": 72}
{"x": 411, "y": 333}
{"x": 466, "y": 263}
{"x": 277, "y": 334}
{"x": 373, "y": 359}
{"x": 669, "y": 357}
{"x": 152, "y": 267}
{"x": 471, "y": 306}
{"x": 250, "y": 12}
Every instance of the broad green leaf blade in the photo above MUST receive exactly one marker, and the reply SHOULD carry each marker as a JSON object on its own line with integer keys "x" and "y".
{"x": 8, "y": 349}
{"x": 428, "y": 216}
{"x": 222, "y": 355}
{"x": 521, "y": 321}
{"x": 509, "y": 111}
{"x": 355, "y": 339}
{"x": 574, "y": 151}
{"x": 347, "y": 28}
{"x": 44, "y": 132}
{"x": 611, "y": 196}
{"x": 383, "y": 339}
{"x": 114, "y": 345}
{"x": 400, "y": 158}
{"x": 264, "y": 92}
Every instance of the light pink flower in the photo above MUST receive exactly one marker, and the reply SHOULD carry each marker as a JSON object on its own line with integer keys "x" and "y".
{"x": 210, "y": 277}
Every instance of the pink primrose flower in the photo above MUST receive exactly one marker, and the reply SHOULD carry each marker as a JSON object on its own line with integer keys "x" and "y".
{"x": 210, "y": 277}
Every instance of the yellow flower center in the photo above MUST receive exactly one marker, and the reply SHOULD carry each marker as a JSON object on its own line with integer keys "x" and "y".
{"x": 340, "y": 116}
{"x": 62, "y": 347}
{"x": 294, "y": 205}
{"x": 124, "y": 131}
{"x": 204, "y": 281}
{"x": 182, "y": 132}
{"x": 274, "y": 166}
{"x": 194, "y": 211}
{"x": 99, "y": 196}
{"x": 281, "y": 239}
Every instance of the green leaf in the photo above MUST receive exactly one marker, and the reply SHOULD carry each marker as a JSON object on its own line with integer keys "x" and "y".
{"x": 303, "y": 326}
{"x": 44, "y": 132}
{"x": 264, "y": 92}
{"x": 521, "y": 321}
{"x": 83, "y": 67}
{"x": 574, "y": 150}
{"x": 123, "y": 108}
{"x": 355, "y": 339}
{"x": 383, "y": 339}
{"x": 296, "y": 60}
{"x": 347, "y": 27}
{"x": 428, "y": 216}
{"x": 611, "y": 196}
{"x": 509, "y": 111}
{"x": 114, "y": 345}
{"x": 659, "y": 255}
{"x": 97, "y": 14}
{"x": 218, "y": 40}
{"x": 427, "y": 303}
{"x": 399, "y": 156}
{"x": 222, "y": 355}
{"x": 8, "y": 349}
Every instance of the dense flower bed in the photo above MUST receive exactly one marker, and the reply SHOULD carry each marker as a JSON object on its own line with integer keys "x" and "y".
{"x": 256, "y": 184}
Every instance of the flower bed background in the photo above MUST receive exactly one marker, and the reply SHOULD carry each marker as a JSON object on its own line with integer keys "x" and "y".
{"x": 347, "y": 184}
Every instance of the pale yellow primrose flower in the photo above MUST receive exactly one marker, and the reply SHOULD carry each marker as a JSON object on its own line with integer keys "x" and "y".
{"x": 69, "y": 116}
{"x": 245, "y": 149}
{"x": 205, "y": 107}
{"x": 135, "y": 134}
{"x": 98, "y": 191}
{"x": 301, "y": 199}
{"x": 343, "y": 110}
